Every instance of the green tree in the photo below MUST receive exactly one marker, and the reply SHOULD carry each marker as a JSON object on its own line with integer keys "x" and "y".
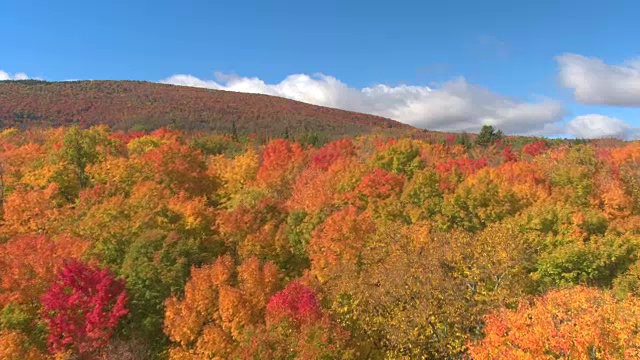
{"x": 488, "y": 135}
{"x": 80, "y": 148}
{"x": 402, "y": 157}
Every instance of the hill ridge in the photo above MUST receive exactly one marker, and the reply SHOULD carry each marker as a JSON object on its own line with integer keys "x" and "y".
{"x": 125, "y": 104}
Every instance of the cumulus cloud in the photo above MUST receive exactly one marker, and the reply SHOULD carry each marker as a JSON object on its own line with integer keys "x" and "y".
{"x": 450, "y": 106}
{"x": 6, "y": 76}
{"x": 599, "y": 126}
{"x": 595, "y": 82}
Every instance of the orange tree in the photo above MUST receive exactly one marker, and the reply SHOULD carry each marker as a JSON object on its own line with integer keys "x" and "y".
{"x": 575, "y": 323}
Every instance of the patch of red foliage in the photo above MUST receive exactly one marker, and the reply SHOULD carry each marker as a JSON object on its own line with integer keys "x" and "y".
{"x": 82, "y": 308}
{"x": 465, "y": 166}
{"x": 126, "y": 137}
{"x": 508, "y": 154}
{"x": 296, "y": 302}
{"x": 331, "y": 152}
{"x": 535, "y": 148}
{"x": 380, "y": 184}
{"x": 453, "y": 170}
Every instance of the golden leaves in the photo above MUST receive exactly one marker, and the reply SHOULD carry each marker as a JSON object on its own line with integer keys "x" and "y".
{"x": 14, "y": 346}
{"x": 338, "y": 241}
{"x": 31, "y": 210}
{"x": 576, "y": 323}
{"x": 220, "y": 303}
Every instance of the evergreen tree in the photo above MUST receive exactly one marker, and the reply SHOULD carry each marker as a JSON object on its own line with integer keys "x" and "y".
{"x": 488, "y": 135}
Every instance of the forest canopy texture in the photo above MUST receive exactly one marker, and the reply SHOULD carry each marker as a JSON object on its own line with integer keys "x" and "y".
{"x": 174, "y": 245}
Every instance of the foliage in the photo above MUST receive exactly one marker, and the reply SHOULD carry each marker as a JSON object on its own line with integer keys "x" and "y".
{"x": 596, "y": 262}
{"x": 577, "y": 323}
{"x": 488, "y": 136}
{"x": 82, "y": 308}
{"x": 402, "y": 157}
{"x": 298, "y": 328}
{"x": 221, "y": 304}
{"x": 236, "y": 246}
{"x": 14, "y": 346}
{"x": 135, "y": 105}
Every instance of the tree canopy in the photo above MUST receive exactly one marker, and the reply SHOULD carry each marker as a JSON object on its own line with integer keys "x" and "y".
{"x": 172, "y": 245}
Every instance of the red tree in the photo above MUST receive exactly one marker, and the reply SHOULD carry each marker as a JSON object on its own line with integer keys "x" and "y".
{"x": 380, "y": 184}
{"x": 181, "y": 168}
{"x": 453, "y": 171}
{"x": 331, "y": 152}
{"x": 508, "y": 154}
{"x": 280, "y": 158}
{"x": 534, "y": 148}
{"x": 82, "y": 308}
{"x": 296, "y": 302}
{"x": 297, "y": 328}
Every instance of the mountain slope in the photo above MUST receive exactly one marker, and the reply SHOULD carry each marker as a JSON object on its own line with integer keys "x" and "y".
{"x": 129, "y": 104}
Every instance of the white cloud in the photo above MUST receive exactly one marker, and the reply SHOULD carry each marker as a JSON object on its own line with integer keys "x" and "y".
{"x": 451, "y": 106}
{"x": 6, "y": 76}
{"x": 599, "y": 126}
{"x": 595, "y": 82}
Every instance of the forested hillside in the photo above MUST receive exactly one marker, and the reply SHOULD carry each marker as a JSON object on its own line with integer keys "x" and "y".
{"x": 172, "y": 245}
{"x": 148, "y": 106}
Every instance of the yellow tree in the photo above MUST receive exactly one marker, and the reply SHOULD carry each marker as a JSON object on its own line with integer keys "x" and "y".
{"x": 14, "y": 345}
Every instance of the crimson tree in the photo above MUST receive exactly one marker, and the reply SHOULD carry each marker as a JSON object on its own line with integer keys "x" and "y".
{"x": 82, "y": 308}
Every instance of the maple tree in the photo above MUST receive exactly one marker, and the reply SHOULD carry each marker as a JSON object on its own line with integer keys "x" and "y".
{"x": 281, "y": 160}
{"x": 81, "y": 148}
{"x": 298, "y": 328}
{"x": 29, "y": 211}
{"x": 576, "y": 323}
{"x": 401, "y": 157}
{"x": 214, "y": 315}
{"x": 338, "y": 241}
{"x": 535, "y": 148}
{"x": 29, "y": 264}
{"x": 379, "y": 184}
{"x": 477, "y": 202}
{"x": 82, "y": 308}
{"x": 326, "y": 156}
{"x": 180, "y": 168}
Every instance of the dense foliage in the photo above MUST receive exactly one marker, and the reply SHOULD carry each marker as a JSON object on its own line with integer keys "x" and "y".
{"x": 82, "y": 308}
{"x": 163, "y": 244}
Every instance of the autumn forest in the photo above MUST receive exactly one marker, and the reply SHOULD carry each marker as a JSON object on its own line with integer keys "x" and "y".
{"x": 171, "y": 244}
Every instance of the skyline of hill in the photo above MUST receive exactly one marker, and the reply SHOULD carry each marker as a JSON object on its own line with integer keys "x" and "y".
{"x": 127, "y": 105}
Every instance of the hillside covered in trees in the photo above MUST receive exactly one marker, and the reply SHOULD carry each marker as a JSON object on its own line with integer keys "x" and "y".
{"x": 147, "y": 106}
{"x": 172, "y": 245}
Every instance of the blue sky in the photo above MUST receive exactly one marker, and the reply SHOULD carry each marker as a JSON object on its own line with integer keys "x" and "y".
{"x": 507, "y": 48}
